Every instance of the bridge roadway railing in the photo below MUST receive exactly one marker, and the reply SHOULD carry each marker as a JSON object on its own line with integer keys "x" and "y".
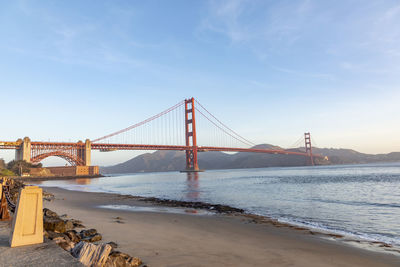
{"x": 113, "y": 147}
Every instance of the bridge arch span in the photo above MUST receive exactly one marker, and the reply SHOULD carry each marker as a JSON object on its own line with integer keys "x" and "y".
{"x": 61, "y": 154}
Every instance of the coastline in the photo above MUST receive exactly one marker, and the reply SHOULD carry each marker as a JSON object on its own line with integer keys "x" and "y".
{"x": 55, "y": 178}
{"x": 192, "y": 238}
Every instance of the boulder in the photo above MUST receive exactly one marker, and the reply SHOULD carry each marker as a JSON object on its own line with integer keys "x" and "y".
{"x": 113, "y": 244}
{"x": 76, "y": 222}
{"x": 90, "y": 254}
{"x": 119, "y": 259}
{"x": 93, "y": 238}
{"x": 134, "y": 261}
{"x": 89, "y": 232}
{"x": 63, "y": 238}
{"x": 69, "y": 225}
{"x": 66, "y": 245}
{"x": 47, "y": 196}
{"x": 73, "y": 235}
{"x": 49, "y": 213}
{"x": 51, "y": 235}
{"x": 54, "y": 224}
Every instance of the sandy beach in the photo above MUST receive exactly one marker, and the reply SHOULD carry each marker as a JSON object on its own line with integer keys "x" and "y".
{"x": 179, "y": 238}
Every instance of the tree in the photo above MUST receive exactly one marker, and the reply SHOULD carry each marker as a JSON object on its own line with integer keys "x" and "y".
{"x": 19, "y": 166}
{"x": 2, "y": 164}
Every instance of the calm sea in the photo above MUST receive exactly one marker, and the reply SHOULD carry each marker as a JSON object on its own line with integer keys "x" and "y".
{"x": 356, "y": 200}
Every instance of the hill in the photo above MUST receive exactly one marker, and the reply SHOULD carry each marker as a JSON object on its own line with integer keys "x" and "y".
{"x": 175, "y": 160}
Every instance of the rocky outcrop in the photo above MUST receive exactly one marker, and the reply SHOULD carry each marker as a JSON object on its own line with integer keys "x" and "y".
{"x": 84, "y": 244}
{"x": 193, "y": 205}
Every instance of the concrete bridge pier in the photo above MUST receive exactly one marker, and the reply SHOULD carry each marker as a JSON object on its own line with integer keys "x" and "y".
{"x": 24, "y": 151}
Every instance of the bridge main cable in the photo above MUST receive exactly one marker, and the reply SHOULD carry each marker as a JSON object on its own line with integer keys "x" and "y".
{"x": 238, "y": 136}
{"x": 141, "y": 123}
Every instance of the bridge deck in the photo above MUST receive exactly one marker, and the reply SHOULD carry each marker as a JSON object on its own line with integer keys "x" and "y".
{"x": 112, "y": 147}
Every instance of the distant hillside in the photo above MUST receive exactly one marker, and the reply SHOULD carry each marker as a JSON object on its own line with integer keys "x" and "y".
{"x": 175, "y": 160}
{"x": 349, "y": 156}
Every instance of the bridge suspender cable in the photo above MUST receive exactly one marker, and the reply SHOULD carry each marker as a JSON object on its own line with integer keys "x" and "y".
{"x": 221, "y": 128}
{"x": 246, "y": 141}
{"x": 141, "y": 123}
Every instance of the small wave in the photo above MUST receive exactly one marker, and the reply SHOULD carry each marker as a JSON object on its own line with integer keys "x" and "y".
{"x": 356, "y": 203}
{"x": 370, "y": 237}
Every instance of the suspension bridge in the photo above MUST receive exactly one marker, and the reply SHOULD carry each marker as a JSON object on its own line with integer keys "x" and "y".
{"x": 187, "y": 126}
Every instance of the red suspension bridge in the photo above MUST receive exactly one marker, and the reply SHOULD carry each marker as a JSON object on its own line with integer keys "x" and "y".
{"x": 176, "y": 128}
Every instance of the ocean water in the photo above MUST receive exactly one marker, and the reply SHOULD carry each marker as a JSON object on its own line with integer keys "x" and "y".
{"x": 361, "y": 201}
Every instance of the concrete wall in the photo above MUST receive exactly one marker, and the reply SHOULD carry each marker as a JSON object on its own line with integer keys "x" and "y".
{"x": 40, "y": 172}
{"x": 74, "y": 170}
{"x": 94, "y": 170}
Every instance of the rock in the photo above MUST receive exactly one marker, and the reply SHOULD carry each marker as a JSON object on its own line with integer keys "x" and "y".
{"x": 90, "y": 254}
{"x": 134, "y": 261}
{"x": 90, "y": 232}
{"x": 113, "y": 245}
{"x": 49, "y": 213}
{"x": 47, "y": 196}
{"x": 69, "y": 225}
{"x": 96, "y": 237}
{"x": 51, "y": 235}
{"x": 76, "y": 221}
{"x": 54, "y": 224}
{"x": 93, "y": 238}
{"x": 117, "y": 259}
{"x": 66, "y": 245}
{"x": 62, "y": 238}
{"x": 73, "y": 235}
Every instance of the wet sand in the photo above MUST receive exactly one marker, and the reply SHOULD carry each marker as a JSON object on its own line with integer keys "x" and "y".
{"x": 181, "y": 237}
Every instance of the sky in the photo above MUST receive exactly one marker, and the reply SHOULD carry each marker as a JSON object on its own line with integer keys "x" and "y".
{"x": 271, "y": 70}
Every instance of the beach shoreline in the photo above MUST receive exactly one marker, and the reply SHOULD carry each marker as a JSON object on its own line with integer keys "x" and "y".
{"x": 190, "y": 238}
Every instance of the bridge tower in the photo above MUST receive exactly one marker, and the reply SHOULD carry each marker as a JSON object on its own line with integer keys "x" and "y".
{"x": 88, "y": 152}
{"x": 83, "y": 154}
{"x": 307, "y": 139}
{"x": 24, "y": 151}
{"x": 190, "y": 128}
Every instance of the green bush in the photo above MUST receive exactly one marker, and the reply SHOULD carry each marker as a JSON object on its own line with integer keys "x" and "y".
{"x": 5, "y": 172}
{"x": 21, "y": 166}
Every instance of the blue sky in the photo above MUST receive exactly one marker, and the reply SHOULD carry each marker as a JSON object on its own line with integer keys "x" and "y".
{"x": 271, "y": 70}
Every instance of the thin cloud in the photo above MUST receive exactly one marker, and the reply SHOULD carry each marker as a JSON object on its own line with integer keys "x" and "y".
{"x": 305, "y": 74}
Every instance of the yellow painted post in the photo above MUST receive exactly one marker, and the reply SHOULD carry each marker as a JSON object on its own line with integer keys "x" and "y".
{"x": 27, "y": 224}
